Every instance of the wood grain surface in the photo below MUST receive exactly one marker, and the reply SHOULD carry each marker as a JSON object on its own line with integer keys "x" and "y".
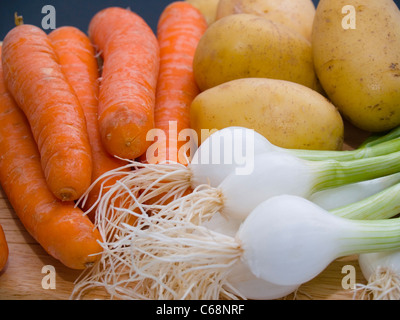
{"x": 23, "y": 275}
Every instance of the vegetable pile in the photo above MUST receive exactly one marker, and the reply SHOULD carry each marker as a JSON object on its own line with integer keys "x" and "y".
{"x": 207, "y": 160}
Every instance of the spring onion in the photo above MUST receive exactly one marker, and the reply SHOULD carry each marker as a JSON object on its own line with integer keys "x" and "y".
{"x": 248, "y": 285}
{"x": 124, "y": 242}
{"x": 382, "y": 271}
{"x": 381, "y": 205}
{"x": 269, "y": 174}
{"x": 228, "y": 150}
{"x": 378, "y": 138}
{"x": 286, "y": 241}
{"x": 275, "y": 174}
{"x": 332, "y": 198}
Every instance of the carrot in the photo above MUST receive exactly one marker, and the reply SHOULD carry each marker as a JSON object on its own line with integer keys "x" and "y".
{"x": 78, "y": 61}
{"x": 3, "y": 249}
{"x": 58, "y": 226}
{"x": 130, "y": 54}
{"x": 37, "y": 83}
{"x": 179, "y": 30}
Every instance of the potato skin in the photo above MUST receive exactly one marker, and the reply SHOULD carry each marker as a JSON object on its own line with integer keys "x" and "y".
{"x": 207, "y": 7}
{"x": 297, "y": 15}
{"x": 359, "y": 69}
{"x": 288, "y": 114}
{"x": 245, "y": 46}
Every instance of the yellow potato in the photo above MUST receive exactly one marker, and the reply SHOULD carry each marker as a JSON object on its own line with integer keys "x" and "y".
{"x": 207, "y": 7}
{"x": 246, "y": 45}
{"x": 288, "y": 114}
{"x": 357, "y": 60}
{"x": 298, "y": 15}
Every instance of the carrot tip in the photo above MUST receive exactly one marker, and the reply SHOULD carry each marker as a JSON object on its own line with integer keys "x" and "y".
{"x": 68, "y": 194}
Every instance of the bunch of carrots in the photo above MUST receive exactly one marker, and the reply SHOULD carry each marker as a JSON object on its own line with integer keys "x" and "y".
{"x": 66, "y": 119}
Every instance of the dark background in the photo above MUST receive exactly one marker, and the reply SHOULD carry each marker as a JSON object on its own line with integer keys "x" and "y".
{"x": 74, "y": 12}
{"x": 78, "y": 12}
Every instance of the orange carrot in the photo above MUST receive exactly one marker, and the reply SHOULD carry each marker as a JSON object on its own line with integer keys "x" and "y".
{"x": 3, "y": 249}
{"x": 79, "y": 64}
{"x": 60, "y": 228}
{"x": 130, "y": 54}
{"x": 179, "y": 30}
{"x": 37, "y": 83}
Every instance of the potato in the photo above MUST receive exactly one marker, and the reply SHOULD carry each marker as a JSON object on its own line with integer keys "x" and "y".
{"x": 288, "y": 114}
{"x": 207, "y": 7}
{"x": 297, "y": 15}
{"x": 245, "y": 46}
{"x": 359, "y": 68}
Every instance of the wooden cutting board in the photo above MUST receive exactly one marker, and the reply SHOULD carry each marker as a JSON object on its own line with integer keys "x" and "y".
{"x": 26, "y": 273}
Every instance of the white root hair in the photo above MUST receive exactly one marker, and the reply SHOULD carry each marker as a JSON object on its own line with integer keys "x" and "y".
{"x": 159, "y": 182}
{"x": 383, "y": 284}
{"x": 166, "y": 187}
{"x": 163, "y": 255}
{"x": 196, "y": 207}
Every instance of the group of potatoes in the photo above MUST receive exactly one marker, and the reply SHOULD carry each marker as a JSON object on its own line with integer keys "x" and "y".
{"x": 293, "y": 71}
